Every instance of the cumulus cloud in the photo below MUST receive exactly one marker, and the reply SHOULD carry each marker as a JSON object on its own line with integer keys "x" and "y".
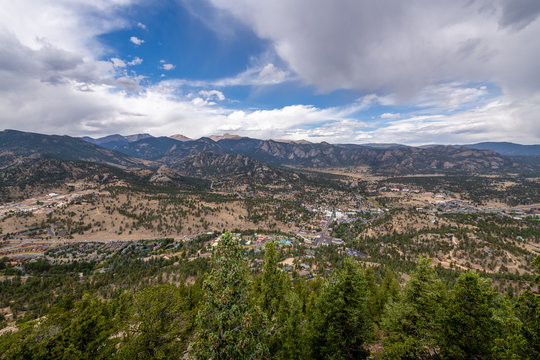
{"x": 268, "y": 74}
{"x": 166, "y": 66}
{"x": 433, "y": 56}
{"x": 136, "y": 61}
{"x": 118, "y": 62}
{"x": 141, "y": 25}
{"x": 396, "y": 46}
{"x": 212, "y": 94}
{"x": 390, "y": 116}
{"x": 136, "y": 40}
{"x": 497, "y": 121}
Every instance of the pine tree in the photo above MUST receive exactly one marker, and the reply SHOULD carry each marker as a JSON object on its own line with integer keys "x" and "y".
{"x": 291, "y": 334}
{"x": 273, "y": 282}
{"x": 158, "y": 324}
{"x": 273, "y": 287}
{"x": 414, "y": 321}
{"x": 341, "y": 324}
{"x": 475, "y": 321}
{"x": 380, "y": 295}
{"x": 527, "y": 310}
{"x": 229, "y": 324}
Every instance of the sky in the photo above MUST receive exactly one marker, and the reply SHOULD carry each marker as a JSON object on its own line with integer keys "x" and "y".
{"x": 343, "y": 71}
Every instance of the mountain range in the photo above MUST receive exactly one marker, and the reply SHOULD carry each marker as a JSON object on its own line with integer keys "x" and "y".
{"x": 264, "y": 161}
{"x": 507, "y": 148}
{"x": 502, "y": 148}
{"x": 17, "y": 145}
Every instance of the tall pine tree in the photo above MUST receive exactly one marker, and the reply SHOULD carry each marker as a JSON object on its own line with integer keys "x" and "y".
{"x": 476, "y": 319}
{"x": 413, "y": 323}
{"x": 341, "y": 324}
{"x": 229, "y": 324}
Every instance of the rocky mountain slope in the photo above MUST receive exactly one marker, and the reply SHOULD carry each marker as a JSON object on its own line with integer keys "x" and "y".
{"x": 239, "y": 169}
{"x": 16, "y": 146}
{"x": 507, "y": 148}
{"x": 113, "y": 141}
{"x": 218, "y": 165}
{"x": 399, "y": 160}
{"x": 167, "y": 150}
{"x": 234, "y": 155}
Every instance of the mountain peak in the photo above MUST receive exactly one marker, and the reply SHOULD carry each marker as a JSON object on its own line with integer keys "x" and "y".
{"x": 225, "y": 136}
{"x": 301, "y": 141}
{"x": 137, "y": 137}
{"x": 110, "y": 141}
{"x": 180, "y": 137}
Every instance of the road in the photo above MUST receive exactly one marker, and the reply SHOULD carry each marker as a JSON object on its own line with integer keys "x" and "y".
{"x": 523, "y": 207}
{"x": 323, "y": 238}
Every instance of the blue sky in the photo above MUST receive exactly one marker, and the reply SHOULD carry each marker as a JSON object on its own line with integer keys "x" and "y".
{"x": 340, "y": 71}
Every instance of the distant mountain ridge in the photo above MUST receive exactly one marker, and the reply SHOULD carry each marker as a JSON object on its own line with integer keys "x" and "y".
{"x": 221, "y": 165}
{"x": 400, "y": 160}
{"x": 167, "y": 150}
{"x": 180, "y": 137}
{"x": 508, "y": 148}
{"x": 503, "y": 148}
{"x": 225, "y": 136}
{"x": 230, "y": 152}
{"x": 112, "y": 141}
{"x": 17, "y": 145}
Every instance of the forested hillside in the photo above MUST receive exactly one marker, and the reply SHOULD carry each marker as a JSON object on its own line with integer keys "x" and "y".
{"x": 219, "y": 308}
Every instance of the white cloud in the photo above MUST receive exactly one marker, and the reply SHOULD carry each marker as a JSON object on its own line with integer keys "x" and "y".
{"x": 496, "y": 121}
{"x": 399, "y": 47}
{"x": 167, "y": 67}
{"x": 118, "y": 62}
{"x": 390, "y": 116}
{"x": 136, "y": 40}
{"x": 141, "y": 25}
{"x": 136, "y": 61}
{"x": 268, "y": 74}
{"x": 70, "y": 25}
{"x": 450, "y": 96}
{"x": 212, "y": 94}
{"x": 257, "y": 75}
{"x": 51, "y": 78}
{"x": 206, "y": 97}
{"x": 370, "y": 100}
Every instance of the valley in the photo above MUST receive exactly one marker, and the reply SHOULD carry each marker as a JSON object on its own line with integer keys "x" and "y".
{"x": 170, "y": 211}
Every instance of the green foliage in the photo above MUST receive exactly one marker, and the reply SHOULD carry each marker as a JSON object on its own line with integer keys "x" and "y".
{"x": 341, "y": 324}
{"x": 527, "y": 309}
{"x": 380, "y": 295}
{"x": 73, "y": 330}
{"x": 413, "y": 322}
{"x": 229, "y": 324}
{"x": 291, "y": 330}
{"x": 525, "y": 343}
{"x": 273, "y": 282}
{"x": 229, "y": 312}
{"x": 475, "y": 321}
{"x": 158, "y": 324}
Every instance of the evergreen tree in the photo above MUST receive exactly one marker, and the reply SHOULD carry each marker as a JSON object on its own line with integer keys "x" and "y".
{"x": 273, "y": 287}
{"x": 273, "y": 282}
{"x": 72, "y": 330}
{"x": 229, "y": 325}
{"x": 527, "y": 309}
{"x": 341, "y": 324}
{"x": 380, "y": 295}
{"x": 291, "y": 334}
{"x": 477, "y": 319}
{"x": 158, "y": 324}
{"x": 413, "y": 323}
